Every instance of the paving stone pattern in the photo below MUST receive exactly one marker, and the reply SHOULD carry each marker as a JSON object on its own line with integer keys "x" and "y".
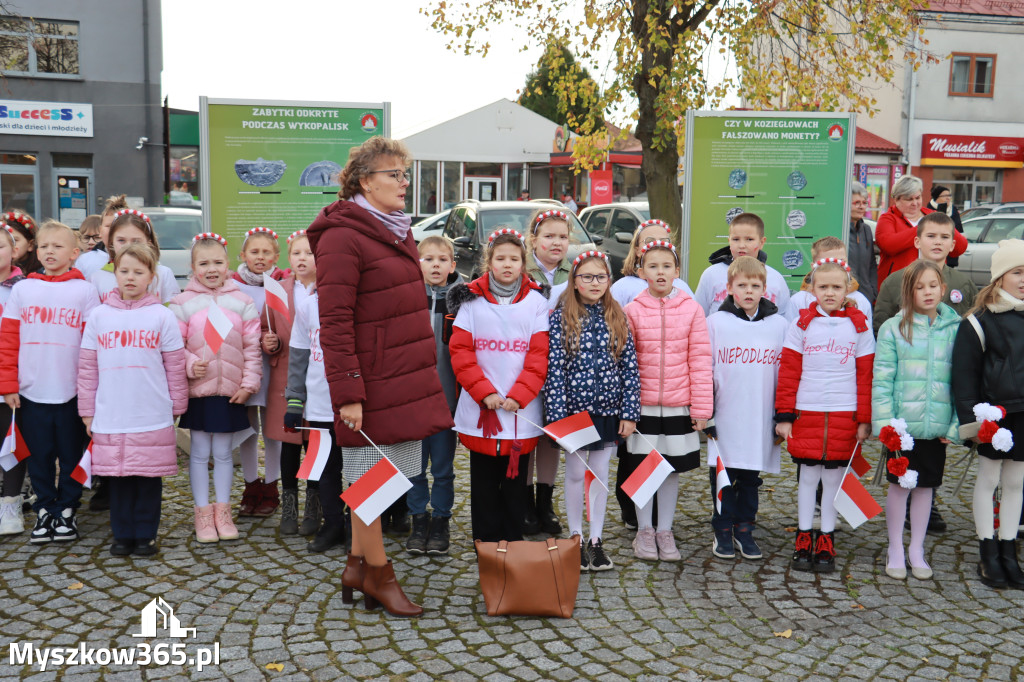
{"x": 265, "y": 600}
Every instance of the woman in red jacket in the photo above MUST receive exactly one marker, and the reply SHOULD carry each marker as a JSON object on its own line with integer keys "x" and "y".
{"x": 897, "y": 228}
{"x": 377, "y": 342}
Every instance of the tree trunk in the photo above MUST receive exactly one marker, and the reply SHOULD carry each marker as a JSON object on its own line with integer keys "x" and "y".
{"x": 660, "y": 146}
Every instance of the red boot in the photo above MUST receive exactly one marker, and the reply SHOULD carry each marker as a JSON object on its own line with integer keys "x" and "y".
{"x": 251, "y": 497}
{"x": 269, "y": 501}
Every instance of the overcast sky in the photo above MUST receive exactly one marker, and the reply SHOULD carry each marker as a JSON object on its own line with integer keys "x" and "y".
{"x": 340, "y": 51}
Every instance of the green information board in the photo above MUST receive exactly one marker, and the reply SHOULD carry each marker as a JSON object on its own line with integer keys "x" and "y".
{"x": 792, "y": 169}
{"x": 275, "y": 163}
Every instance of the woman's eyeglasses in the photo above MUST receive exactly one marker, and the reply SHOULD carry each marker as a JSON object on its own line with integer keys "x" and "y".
{"x": 590, "y": 279}
{"x": 396, "y": 173}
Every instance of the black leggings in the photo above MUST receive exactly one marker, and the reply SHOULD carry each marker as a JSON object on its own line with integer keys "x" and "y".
{"x": 291, "y": 459}
{"x": 497, "y": 503}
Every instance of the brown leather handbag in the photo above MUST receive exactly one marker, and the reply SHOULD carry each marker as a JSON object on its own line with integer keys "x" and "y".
{"x": 525, "y": 578}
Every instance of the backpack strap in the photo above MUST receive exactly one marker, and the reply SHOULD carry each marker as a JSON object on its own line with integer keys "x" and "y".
{"x": 977, "y": 328}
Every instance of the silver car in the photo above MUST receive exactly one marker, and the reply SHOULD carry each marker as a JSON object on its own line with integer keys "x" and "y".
{"x": 174, "y": 229}
{"x": 983, "y": 236}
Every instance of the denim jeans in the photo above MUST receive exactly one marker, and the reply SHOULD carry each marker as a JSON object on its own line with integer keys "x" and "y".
{"x": 439, "y": 451}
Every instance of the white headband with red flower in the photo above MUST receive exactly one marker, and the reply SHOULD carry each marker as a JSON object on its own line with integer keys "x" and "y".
{"x": 590, "y": 254}
{"x": 261, "y": 230}
{"x": 505, "y": 230}
{"x": 295, "y": 235}
{"x": 208, "y": 237}
{"x": 658, "y": 244}
{"x": 653, "y": 221}
{"x": 553, "y": 213}
{"x": 134, "y": 212}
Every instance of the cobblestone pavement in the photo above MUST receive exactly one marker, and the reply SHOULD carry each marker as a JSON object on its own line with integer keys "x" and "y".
{"x": 267, "y": 602}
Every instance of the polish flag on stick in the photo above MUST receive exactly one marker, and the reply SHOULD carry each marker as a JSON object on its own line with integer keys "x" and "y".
{"x": 721, "y": 476}
{"x": 859, "y": 463}
{"x": 572, "y": 433}
{"x": 13, "y": 450}
{"x": 217, "y": 327}
{"x": 83, "y": 472}
{"x": 377, "y": 489}
{"x": 317, "y": 451}
{"x": 277, "y": 298}
{"x": 854, "y": 502}
{"x": 648, "y": 477}
{"x": 589, "y": 479}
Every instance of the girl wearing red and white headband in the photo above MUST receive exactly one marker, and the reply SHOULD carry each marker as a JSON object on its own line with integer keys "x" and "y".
{"x": 11, "y": 520}
{"x": 547, "y": 244}
{"x": 674, "y": 355}
{"x": 23, "y": 229}
{"x": 627, "y": 287}
{"x": 499, "y": 350}
{"x": 133, "y": 227}
{"x": 219, "y": 383}
{"x": 591, "y": 366}
{"x": 91, "y": 261}
{"x": 259, "y": 255}
{"x": 911, "y": 396}
{"x": 823, "y": 403}
{"x": 988, "y": 385}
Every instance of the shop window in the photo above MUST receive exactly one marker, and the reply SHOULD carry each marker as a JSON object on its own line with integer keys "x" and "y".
{"x": 428, "y": 188}
{"x": 185, "y": 169}
{"x": 514, "y": 182}
{"x": 452, "y": 183}
{"x": 972, "y": 75}
{"x": 491, "y": 170}
{"x": 39, "y": 47}
{"x": 970, "y": 186}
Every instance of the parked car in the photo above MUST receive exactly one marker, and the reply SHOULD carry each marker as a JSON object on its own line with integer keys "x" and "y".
{"x": 174, "y": 227}
{"x": 983, "y": 236}
{"x": 471, "y": 222}
{"x": 432, "y": 225}
{"x": 615, "y": 223}
{"x": 988, "y": 209}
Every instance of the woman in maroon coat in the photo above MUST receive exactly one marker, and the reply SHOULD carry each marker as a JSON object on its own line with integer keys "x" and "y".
{"x": 378, "y": 344}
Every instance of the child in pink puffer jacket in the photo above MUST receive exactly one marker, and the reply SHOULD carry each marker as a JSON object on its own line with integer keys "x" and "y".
{"x": 218, "y": 383}
{"x": 676, "y": 389}
{"x": 131, "y": 385}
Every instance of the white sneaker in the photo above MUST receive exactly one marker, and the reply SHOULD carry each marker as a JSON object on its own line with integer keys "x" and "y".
{"x": 12, "y": 522}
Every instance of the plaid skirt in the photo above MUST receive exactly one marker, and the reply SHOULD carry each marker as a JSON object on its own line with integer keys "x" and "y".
{"x": 408, "y": 457}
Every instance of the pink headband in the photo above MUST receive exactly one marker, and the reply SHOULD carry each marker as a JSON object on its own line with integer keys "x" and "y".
{"x": 590, "y": 254}
{"x": 209, "y": 236}
{"x": 653, "y": 221}
{"x": 505, "y": 230}
{"x": 261, "y": 230}
{"x": 659, "y": 244}
{"x": 550, "y": 214}
{"x": 132, "y": 211}
{"x": 294, "y": 235}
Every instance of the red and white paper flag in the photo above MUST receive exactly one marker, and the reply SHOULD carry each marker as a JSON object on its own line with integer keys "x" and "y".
{"x": 376, "y": 490}
{"x": 648, "y": 477}
{"x": 83, "y": 472}
{"x": 721, "y": 479}
{"x": 13, "y": 450}
{"x": 572, "y": 433}
{"x": 859, "y": 463}
{"x": 217, "y": 327}
{"x": 317, "y": 451}
{"x": 854, "y": 501}
{"x": 277, "y": 297}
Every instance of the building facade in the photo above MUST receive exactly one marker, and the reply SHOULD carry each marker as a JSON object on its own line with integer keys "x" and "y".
{"x": 80, "y": 115}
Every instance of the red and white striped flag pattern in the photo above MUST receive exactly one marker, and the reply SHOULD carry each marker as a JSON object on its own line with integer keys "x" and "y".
{"x": 860, "y": 464}
{"x": 13, "y": 450}
{"x": 317, "y": 451}
{"x": 376, "y": 490}
{"x": 854, "y": 502}
{"x": 277, "y": 297}
{"x": 573, "y": 432}
{"x": 721, "y": 481}
{"x": 83, "y": 472}
{"x": 648, "y": 477}
{"x": 217, "y": 327}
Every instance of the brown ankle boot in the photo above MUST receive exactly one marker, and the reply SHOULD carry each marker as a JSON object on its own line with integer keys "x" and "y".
{"x": 352, "y": 578}
{"x": 381, "y": 587}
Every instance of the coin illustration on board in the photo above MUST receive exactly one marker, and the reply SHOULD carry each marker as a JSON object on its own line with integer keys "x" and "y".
{"x": 737, "y": 178}
{"x": 792, "y": 259}
{"x": 796, "y": 219}
{"x": 796, "y": 181}
{"x": 731, "y": 214}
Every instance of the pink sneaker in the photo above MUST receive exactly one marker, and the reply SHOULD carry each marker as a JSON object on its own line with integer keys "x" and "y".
{"x": 205, "y": 530}
{"x": 667, "y": 550}
{"x": 222, "y": 520}
{"x": 644, "y": 546}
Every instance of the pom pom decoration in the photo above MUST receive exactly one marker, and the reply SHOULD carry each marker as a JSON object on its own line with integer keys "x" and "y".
{"x": 590, "y": 254}
{"x": 208, "y": 236}
{"x": 653, "y": 221}
{"x": 987, "y": 431}
{"x": 897, "y": 466}
{"x": 20, "y": 218}
{"x": 908, "y": 480}
{"x": 658, "y": 244}
{"x": 505, "y": 230}
{"x": 261, "y": 230}
{"x": 899, "y": 424}
{"x": 906, "y": 441}
{"x": 295, "y": 235}
{"x": 547, "y": 215}
{"x": 1002, "y": 440}
{"x": 984, "y": 412}
{"x": 890, "y": 438}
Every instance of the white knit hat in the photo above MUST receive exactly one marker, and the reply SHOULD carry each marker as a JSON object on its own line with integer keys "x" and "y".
{"x": 1008, "y": 256}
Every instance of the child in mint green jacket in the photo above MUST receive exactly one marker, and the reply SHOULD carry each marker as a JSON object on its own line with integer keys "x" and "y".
{"x": 912, "y": 409}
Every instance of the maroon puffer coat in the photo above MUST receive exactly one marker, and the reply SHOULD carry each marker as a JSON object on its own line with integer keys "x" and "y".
{"x": 375, "y": 328}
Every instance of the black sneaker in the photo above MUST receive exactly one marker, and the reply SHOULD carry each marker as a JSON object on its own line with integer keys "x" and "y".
{"x": 122, "y": 547}
{"x": 145, "y": 548}
{"x": 584, "y": 555}
{"x": 803, "y": 558}
{"x": 599, "y": 561}
{"x": 417, "y": 542}
{"x": 438, "y": 541}
{"x": 43, "y": 532}
{"x": 723, "y": 547}
{"x": 65, "y": 526}
{"x": 744, "y": 537}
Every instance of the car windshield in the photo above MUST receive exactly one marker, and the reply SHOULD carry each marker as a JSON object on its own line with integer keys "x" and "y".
{"x": 645, "y": 213}
{"x": 174, "y": 230}
{"x": 519, "y": 219}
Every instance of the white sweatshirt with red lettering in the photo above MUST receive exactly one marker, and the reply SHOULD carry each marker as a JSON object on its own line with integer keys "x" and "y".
{"x": 40, "y": 335}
